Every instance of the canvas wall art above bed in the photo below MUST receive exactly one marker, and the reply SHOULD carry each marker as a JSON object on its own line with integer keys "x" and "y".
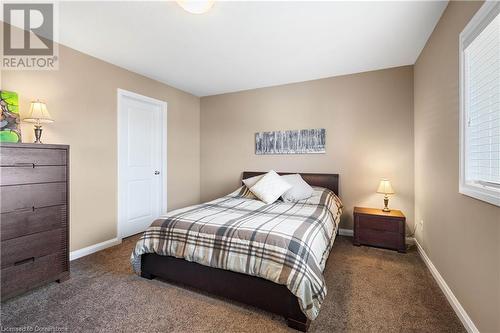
{"x": 306, "y": 141}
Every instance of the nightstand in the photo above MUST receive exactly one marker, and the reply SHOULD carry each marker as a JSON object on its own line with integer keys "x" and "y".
{"x": 377, "y": 228}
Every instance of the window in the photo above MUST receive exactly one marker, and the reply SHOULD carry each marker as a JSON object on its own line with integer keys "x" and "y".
{"x": 480, "y": 105}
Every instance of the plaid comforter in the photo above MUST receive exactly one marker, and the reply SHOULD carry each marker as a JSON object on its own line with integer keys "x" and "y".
{"x": 287, "y": 243}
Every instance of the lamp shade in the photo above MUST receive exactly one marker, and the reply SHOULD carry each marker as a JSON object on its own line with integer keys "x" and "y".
{"x": 385, "y": 187}
{"x": 38, "y": 113}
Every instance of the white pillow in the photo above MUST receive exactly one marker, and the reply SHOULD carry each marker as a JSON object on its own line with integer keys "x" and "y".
{"x": 300, "y": 189}
{"x": 249, "y": 182}
{"x": 270, "y": 187}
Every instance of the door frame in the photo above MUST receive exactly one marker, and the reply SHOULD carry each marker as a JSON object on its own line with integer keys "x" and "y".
{"x": 163, "y": 169}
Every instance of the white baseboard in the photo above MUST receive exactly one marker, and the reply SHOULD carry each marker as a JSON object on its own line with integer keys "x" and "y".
{"x": 346, "y": 232}
{"x": 455, "y": 304}
{"x": 410, "y": 240}
{"x": 93, "y": 248}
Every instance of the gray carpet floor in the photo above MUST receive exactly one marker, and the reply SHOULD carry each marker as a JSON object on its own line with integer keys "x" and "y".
{"x": 369, "y": 290}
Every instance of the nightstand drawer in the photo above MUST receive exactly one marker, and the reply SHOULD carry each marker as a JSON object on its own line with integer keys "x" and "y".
{"x": 379, "y": 238}
{"x": 379, "y": 223}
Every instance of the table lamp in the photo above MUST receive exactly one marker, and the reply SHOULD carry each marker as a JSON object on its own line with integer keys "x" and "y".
{"x": 385, "y": 188}
{"x": 38, "y": 114}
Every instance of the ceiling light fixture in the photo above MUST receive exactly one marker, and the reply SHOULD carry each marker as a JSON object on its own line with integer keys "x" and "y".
{"x": 196, "y": 6}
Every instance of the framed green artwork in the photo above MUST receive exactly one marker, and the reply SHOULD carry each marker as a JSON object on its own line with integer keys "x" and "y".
{"x": 10, "y": 130}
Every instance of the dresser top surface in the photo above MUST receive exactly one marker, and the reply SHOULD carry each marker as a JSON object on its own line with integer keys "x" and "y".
{"x": 33, "y": 145}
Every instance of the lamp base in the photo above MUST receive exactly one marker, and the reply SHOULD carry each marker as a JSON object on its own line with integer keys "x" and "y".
{"x": 38, "y": 134}
{"x": 386, "y": 202}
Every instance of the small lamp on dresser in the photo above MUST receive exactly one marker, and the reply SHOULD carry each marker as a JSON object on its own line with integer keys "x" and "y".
{"x": 385, "y": 188}
{"x": 38, "y": 114}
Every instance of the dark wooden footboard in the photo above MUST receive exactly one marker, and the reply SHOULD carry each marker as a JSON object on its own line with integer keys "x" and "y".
{"x": 243, "y": 288}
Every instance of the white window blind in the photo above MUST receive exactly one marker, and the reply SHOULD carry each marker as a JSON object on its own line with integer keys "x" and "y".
{"x": 480, "y": 87}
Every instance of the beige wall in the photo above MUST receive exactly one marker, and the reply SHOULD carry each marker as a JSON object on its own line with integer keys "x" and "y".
{"x": 460, "y": 234}
{"x": 81, "y": 96}
{"x": 369, "y": 126}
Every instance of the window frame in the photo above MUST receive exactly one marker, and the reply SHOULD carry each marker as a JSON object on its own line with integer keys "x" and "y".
{"x": 488, "y": 11}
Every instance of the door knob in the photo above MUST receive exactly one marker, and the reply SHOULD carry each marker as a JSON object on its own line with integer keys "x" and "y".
{"x": 157, "y": 172}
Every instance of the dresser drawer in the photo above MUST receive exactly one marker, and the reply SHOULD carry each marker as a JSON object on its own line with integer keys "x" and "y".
{"x": 16, "y": 156}
{"x": 380, "y": 238}
{"x": 25, "y": 276}
{"x": 27, "y": 248}
{"x": 30, "y": 175}
{"x": 23, "y": 197}
{"x": 29, "y": 221}
{"x": 378, "y": 223}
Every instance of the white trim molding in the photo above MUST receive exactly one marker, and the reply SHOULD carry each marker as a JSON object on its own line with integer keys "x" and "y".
{"x": 346, "y": 232}
{"x": 93, "y": 248}
{"x": 455, "y": 304}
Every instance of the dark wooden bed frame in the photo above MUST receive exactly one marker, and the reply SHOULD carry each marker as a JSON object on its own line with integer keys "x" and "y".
{"x": 243, "y": 288}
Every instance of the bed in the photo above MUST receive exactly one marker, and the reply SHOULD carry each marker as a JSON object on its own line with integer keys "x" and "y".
{"x": 239, "y": 248}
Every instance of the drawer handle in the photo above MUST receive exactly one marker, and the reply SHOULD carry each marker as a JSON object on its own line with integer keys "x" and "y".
{"x": 25, "y": 261}
{"x": 25, "y": 209}
{"x": 30, "y": 165}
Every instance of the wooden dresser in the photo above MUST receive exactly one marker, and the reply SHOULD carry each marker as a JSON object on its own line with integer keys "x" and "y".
{"x": 378, "y": 228}
{"x": 34, "y": 216}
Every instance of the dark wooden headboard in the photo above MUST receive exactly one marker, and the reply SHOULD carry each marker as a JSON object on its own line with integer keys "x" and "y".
{"x": 326, "y": 180}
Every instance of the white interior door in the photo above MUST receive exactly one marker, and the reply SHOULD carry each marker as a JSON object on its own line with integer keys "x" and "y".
{"x": 140, "y": 162}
